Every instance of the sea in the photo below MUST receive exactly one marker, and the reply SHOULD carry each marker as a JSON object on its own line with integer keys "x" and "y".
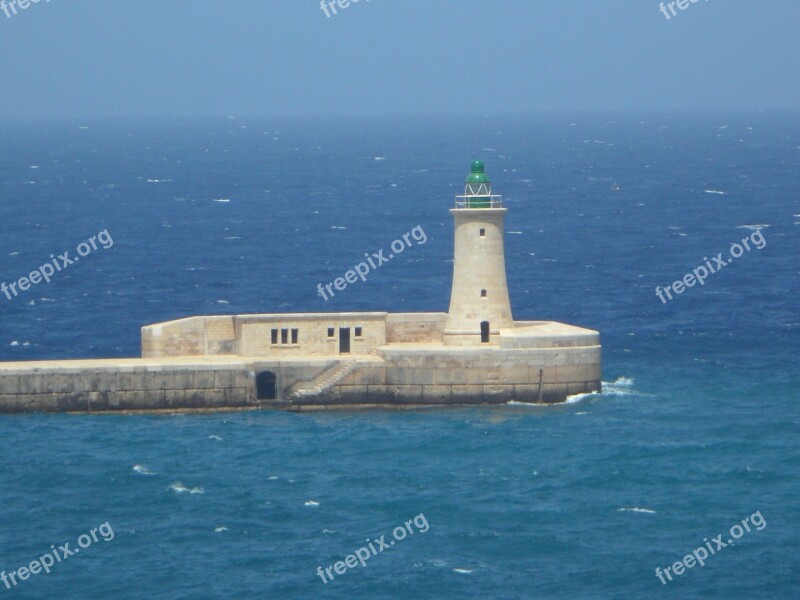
{"x": 690, "y": 449}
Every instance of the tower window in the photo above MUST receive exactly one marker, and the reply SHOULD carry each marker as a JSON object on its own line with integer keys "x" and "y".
{"x": 358, "y": 331}
{"x": 331, "y": 332}
{"x": 274, "y": 336}
{"x": 295, "y": 334}
{"x": 483, "y": 233}
{"x": 284, "y": 336}
{"x": 483, "y": 293}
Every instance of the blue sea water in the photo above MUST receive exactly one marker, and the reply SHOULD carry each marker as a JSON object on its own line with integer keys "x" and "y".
{"x": 697, "y": 427}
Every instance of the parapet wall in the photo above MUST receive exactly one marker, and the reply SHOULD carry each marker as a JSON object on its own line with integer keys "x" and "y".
{"x": 193, "y": 336}
{"x": 423, "y": 328}
{"x": 90, "y": 386}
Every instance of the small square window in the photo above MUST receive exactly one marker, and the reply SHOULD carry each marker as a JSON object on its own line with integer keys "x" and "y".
{"x": 483, "y": 233}
{"x": 483, "y": 293}
{"x": 331, "y": 332}
{"x": 295, "y": 334}
{"x": 274, "y": 336}
{"x": 284, "y": 336}
{"x": 358, "y": 332}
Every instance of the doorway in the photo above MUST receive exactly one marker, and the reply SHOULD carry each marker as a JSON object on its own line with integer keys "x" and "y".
{"x": 344, "y": 340}
{"x": 484, "y": 332}
{"x": 266, "y": 385}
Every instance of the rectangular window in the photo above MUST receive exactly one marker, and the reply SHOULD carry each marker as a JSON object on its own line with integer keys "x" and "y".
{"x": 295, "y": 333}
{"x": 358, "y": 332}
{"x": 331, "y": 332}
{"x": 284, "y": 336}
{"x": 274, "y": 336}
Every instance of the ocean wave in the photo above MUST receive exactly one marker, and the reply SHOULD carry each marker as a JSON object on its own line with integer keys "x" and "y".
{"x": 622, "y": 386}
{"x": 637, "y": 509}
{"x": 311, "y": 503}
{"x": 142, "y": 470}
{"x": 753, "y": 227}
{"x": 179, "y": 488}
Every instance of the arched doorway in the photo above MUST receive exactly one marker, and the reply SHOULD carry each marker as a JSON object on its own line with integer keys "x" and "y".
{"x": 266, "y": 385}
{"x": 484, "y": 332}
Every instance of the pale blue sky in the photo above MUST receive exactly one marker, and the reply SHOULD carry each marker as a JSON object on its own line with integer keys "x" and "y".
{"x": 271, "y": 57}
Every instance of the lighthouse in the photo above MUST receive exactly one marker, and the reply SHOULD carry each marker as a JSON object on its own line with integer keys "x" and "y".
{"x": 479, "y": 303}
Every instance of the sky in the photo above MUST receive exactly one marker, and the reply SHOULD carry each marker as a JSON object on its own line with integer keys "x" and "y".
{"x": 123, "y": 58}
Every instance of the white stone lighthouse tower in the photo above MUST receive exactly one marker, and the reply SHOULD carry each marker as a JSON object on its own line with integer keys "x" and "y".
{"x": 479, "y": 304}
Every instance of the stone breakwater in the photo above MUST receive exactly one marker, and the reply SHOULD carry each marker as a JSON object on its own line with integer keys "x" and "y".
{"x": 401, "y": 378}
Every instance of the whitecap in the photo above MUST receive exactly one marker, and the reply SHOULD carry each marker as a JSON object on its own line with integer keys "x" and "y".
{"x": 17, "y": 253}
{"x": 338, "y": 227}
{"x": 463, "y": 571}
{"x": 621, "y": 387}
{"x": 222, "y": 302}
{"x": 753, "y": 227}
{"x": 220, "y": 529}
{"x": 575, "y": 398}
{"x": 311, "y": 503}
{"x": 328, "y": 531}
{"x": 223, "y": 200}
{"x": 214, "y": 437}
{"x": 517, "y": 232}
{"x": 14, "y": 343}
{"x": 179, "y": 488}
{"x": 142, "y": 470}
{"x": 272, "y": 478}
{"x": 714, "y": 192}
{"x": 380, "y": 158}
{"x": 235, "y": 237}
{"x": 637, "y": 509}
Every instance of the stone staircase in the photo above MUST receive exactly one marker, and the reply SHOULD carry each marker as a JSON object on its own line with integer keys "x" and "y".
{"x": 323, "y": 382}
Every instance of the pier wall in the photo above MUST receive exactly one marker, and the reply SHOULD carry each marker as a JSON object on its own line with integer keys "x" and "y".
{"x": 398, "y": 376}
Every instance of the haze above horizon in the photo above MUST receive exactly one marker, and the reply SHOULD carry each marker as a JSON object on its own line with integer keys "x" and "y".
{"x": 203, "y": 58}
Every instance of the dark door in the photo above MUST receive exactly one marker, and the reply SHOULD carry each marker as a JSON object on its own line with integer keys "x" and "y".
{"x": 266, "y": 385}
{"x": 484, "y": 332}
{"x": 344, "y": 340}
